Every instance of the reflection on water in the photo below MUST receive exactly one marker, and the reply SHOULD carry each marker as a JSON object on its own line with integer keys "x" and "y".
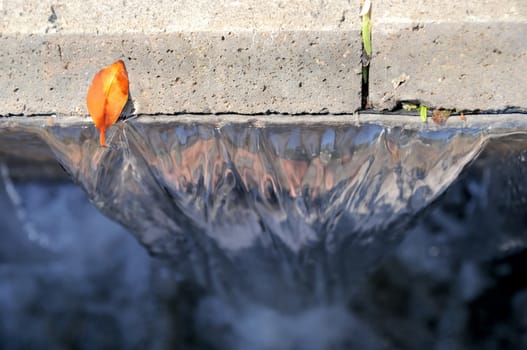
{"x": 303, "y": 210}
{"x": 287, "y": 217}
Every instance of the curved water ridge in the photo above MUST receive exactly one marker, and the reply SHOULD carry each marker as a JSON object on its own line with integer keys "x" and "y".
{"x": 266, "y": 209}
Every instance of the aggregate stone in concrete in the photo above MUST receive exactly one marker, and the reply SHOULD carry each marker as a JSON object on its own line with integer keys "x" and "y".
{"x": 185, "y": 56}
{"x": 461, "y": 55}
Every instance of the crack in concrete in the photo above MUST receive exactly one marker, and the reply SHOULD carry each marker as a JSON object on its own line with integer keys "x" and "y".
{"x": 365, "y": 59}
{"x": 30, "y": 115}
{"x": 397, "y": 111}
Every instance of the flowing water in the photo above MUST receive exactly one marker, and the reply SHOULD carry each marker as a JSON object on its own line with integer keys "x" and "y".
{"x": 278, "y": 217}
{"x": 252, "y": 209}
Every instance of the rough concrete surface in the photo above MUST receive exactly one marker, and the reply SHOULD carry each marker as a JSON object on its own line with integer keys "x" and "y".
{"x": 183, "y": 56}
{"x": 465, "y": 55}
{"x": 202, "y": 72}
{"x": 138, "y": 16}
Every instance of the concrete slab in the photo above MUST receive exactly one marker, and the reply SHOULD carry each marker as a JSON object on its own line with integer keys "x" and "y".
{"x": 466, "y": 55}
{"x": 137, "y": 16}
{"x": 186, "y": 56}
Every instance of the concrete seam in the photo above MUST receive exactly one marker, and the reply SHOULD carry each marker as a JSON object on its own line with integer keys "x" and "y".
{"x": 365, "y": 55}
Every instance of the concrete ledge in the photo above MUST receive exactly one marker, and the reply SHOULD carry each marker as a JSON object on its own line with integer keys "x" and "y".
{"x": 465, "y": 55}
{"x": 167, "y": 16}
{"x": 186, "y": 56}
{"x": 203, "y": 72}
{"x": 251, "y": 56}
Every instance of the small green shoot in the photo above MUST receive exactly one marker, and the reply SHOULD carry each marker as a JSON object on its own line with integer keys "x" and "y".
{"x": 410, "y": 107}
{"x": 366, "y": 33}
{"x": 423, "y": 111}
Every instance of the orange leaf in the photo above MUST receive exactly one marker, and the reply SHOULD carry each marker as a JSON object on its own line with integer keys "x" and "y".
{"x": 107, "y": 97}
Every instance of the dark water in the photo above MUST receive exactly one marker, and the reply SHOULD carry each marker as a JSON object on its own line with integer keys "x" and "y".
{"x": 274, "y": 238}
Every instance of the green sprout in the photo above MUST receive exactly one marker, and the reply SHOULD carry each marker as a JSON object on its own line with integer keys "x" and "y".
{"x": 423, "y": 111}
{"x": 410, "y": 107}
{"x": 366, "y": 38}
{"x": 366, "y": 33}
